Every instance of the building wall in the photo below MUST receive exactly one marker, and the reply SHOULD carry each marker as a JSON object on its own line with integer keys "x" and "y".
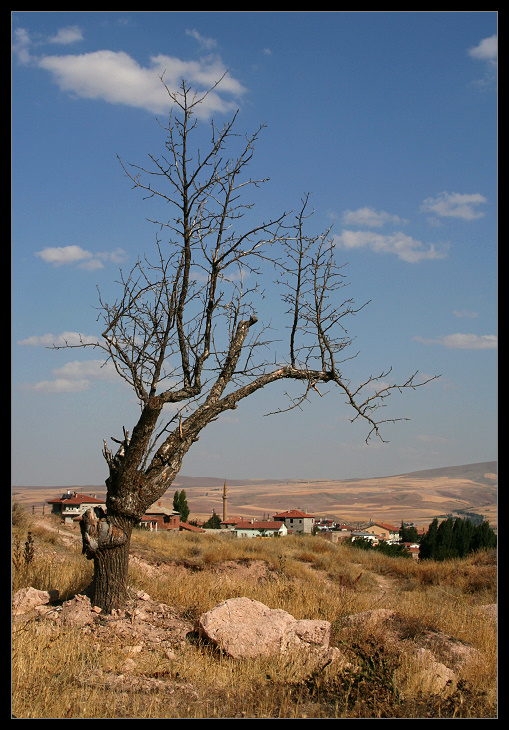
{"x": 299, "y": 524}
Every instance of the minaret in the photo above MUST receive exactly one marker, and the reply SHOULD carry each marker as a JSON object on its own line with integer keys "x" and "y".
{"x": 225, "y": 500}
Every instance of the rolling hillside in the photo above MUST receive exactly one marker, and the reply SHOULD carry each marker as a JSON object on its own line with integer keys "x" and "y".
{"x": 416, "y": 496}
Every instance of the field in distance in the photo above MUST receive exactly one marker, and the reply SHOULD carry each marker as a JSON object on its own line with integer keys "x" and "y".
{"x": 413, "y": 497}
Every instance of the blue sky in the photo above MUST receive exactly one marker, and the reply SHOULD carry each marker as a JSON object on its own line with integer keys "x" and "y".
{"x": 387, "y": 119}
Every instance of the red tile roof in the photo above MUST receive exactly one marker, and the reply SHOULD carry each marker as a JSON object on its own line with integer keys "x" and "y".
{"x": 293, "y": 513}
{"x": 73, "y": 499}
{"x": 258, "y": 525}
{"x": 387, "y": 526}
{"x": 189, "y": 528}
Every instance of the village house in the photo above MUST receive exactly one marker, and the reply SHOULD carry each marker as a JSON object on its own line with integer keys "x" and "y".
{"x": 296, "y": 521}
{"x": 259, "y": 528}
{"x": 384, "y": 531}
{"x": 412, "y": 548}
{"x": 160, "y": 518}
{"x": 336, "y": 535}
{"x": 364, "y": 535}
{"x": 71, "y": 505}
{"x": 324, "y": 523}
{"x": 230, "y": 523}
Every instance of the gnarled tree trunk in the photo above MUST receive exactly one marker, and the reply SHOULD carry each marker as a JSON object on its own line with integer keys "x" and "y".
{"x": 107, "y": 541}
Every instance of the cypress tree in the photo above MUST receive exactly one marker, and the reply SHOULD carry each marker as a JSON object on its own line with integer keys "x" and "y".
{"x": 444, "y": 543}
{"x": 180, "y": 504}
{"x": 427, "y": 547}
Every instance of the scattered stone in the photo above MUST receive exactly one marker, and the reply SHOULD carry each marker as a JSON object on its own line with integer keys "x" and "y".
{"x": 244, "y": 628}
{"x": 128, "y": 666}
{"x": 432, "y": 676}
{"x": 370, "y": 618}
{"x": 490, "y": 610}
{"x": 28, "y": 599}
{"x": 135, "y": 683}
{"x": 78, "y": 611}
{"x": 438, "y": 656}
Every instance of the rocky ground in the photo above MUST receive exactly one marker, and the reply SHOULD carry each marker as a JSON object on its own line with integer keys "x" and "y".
{"x": 241, "y": 628}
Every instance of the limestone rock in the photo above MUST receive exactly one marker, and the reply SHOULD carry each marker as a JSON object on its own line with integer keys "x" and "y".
{"x": 28, "y": 599}
{"x": 243, "y": 627}
{"x": 78, "y": 611}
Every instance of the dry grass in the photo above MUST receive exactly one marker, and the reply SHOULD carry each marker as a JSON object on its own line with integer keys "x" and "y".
{"x": 62, "y": 672}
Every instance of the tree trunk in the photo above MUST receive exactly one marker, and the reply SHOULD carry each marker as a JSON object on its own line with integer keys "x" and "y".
{"x": 107, "y": 542}
{"x": 109, "y": 586}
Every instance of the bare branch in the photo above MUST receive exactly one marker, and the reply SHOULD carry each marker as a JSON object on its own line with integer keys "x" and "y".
{"x": 185, "y": 330}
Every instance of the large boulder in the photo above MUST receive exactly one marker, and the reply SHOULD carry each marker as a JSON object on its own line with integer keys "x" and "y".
{"x": 242, "y": 627}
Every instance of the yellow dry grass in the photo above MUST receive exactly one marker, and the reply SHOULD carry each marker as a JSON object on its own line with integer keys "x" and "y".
{"x": 63, "y": 673}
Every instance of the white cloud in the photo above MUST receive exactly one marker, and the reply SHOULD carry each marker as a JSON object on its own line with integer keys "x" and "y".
{"x": 62, "y": 255}
{"x": 86, "y": 369}
{"x": 455, "y": 205}
{"x": 75, "y": 377}
{"x": 67, "y": 35}
{"x": 404, "y": 247}
{"x": 60, "y": 385}
{"x": 369, "y": 217}
{"x": 465, "y": 313}
{"x": 486, "y": 50}
{"x": 59, "y": 255}
{"x": 21, "y": 45}
{"x": 117, "y": 78}
{"x": 207, "y": 43}
{"x": 66, "y": 338}
{"x": 92, "y": 265}
{"x": 463, "y": 341}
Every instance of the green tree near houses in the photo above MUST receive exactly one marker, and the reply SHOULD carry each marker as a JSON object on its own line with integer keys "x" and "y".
{"x": 214, "y": 523}
{"x": 409, "y": 534}
{"x": 455, "y": 538}
{"x": 427, "y": 546}
{"x": 180, "y": 504}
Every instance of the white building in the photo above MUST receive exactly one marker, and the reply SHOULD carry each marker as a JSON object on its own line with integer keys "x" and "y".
{"x": 71, "y": 505}
{"x": 259, "y": 528}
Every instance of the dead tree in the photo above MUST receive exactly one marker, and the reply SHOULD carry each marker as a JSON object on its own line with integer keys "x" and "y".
{"x": 184, "y": 333}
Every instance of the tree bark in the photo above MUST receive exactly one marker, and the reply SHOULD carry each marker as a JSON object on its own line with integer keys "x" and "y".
{"x": 106, "y": 541}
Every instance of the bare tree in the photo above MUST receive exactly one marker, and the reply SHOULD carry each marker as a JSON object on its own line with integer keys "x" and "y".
{"x": 184, "y": 332}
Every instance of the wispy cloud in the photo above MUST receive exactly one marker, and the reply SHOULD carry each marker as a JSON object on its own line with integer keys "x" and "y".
{"x": 65, "y": 338}
{"x": 117, "y": 78}
{"x": 463, "y": 341}
{"x": 59, "y": 385}
{"x": 68, "y": 35}
{"x": 207, "y": 43}
{"x": 369, "y": 217}
{"x": 465, "y": 313}
{"x": 455, "y": 205}
{"x": 405, "y": 247}
{"x": 74, "y": 377}
{"x": 65, "y": 255}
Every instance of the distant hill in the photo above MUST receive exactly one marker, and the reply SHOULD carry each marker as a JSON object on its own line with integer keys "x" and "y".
{"x": 414, "y": 496}
{"x": 474, "y": 472}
